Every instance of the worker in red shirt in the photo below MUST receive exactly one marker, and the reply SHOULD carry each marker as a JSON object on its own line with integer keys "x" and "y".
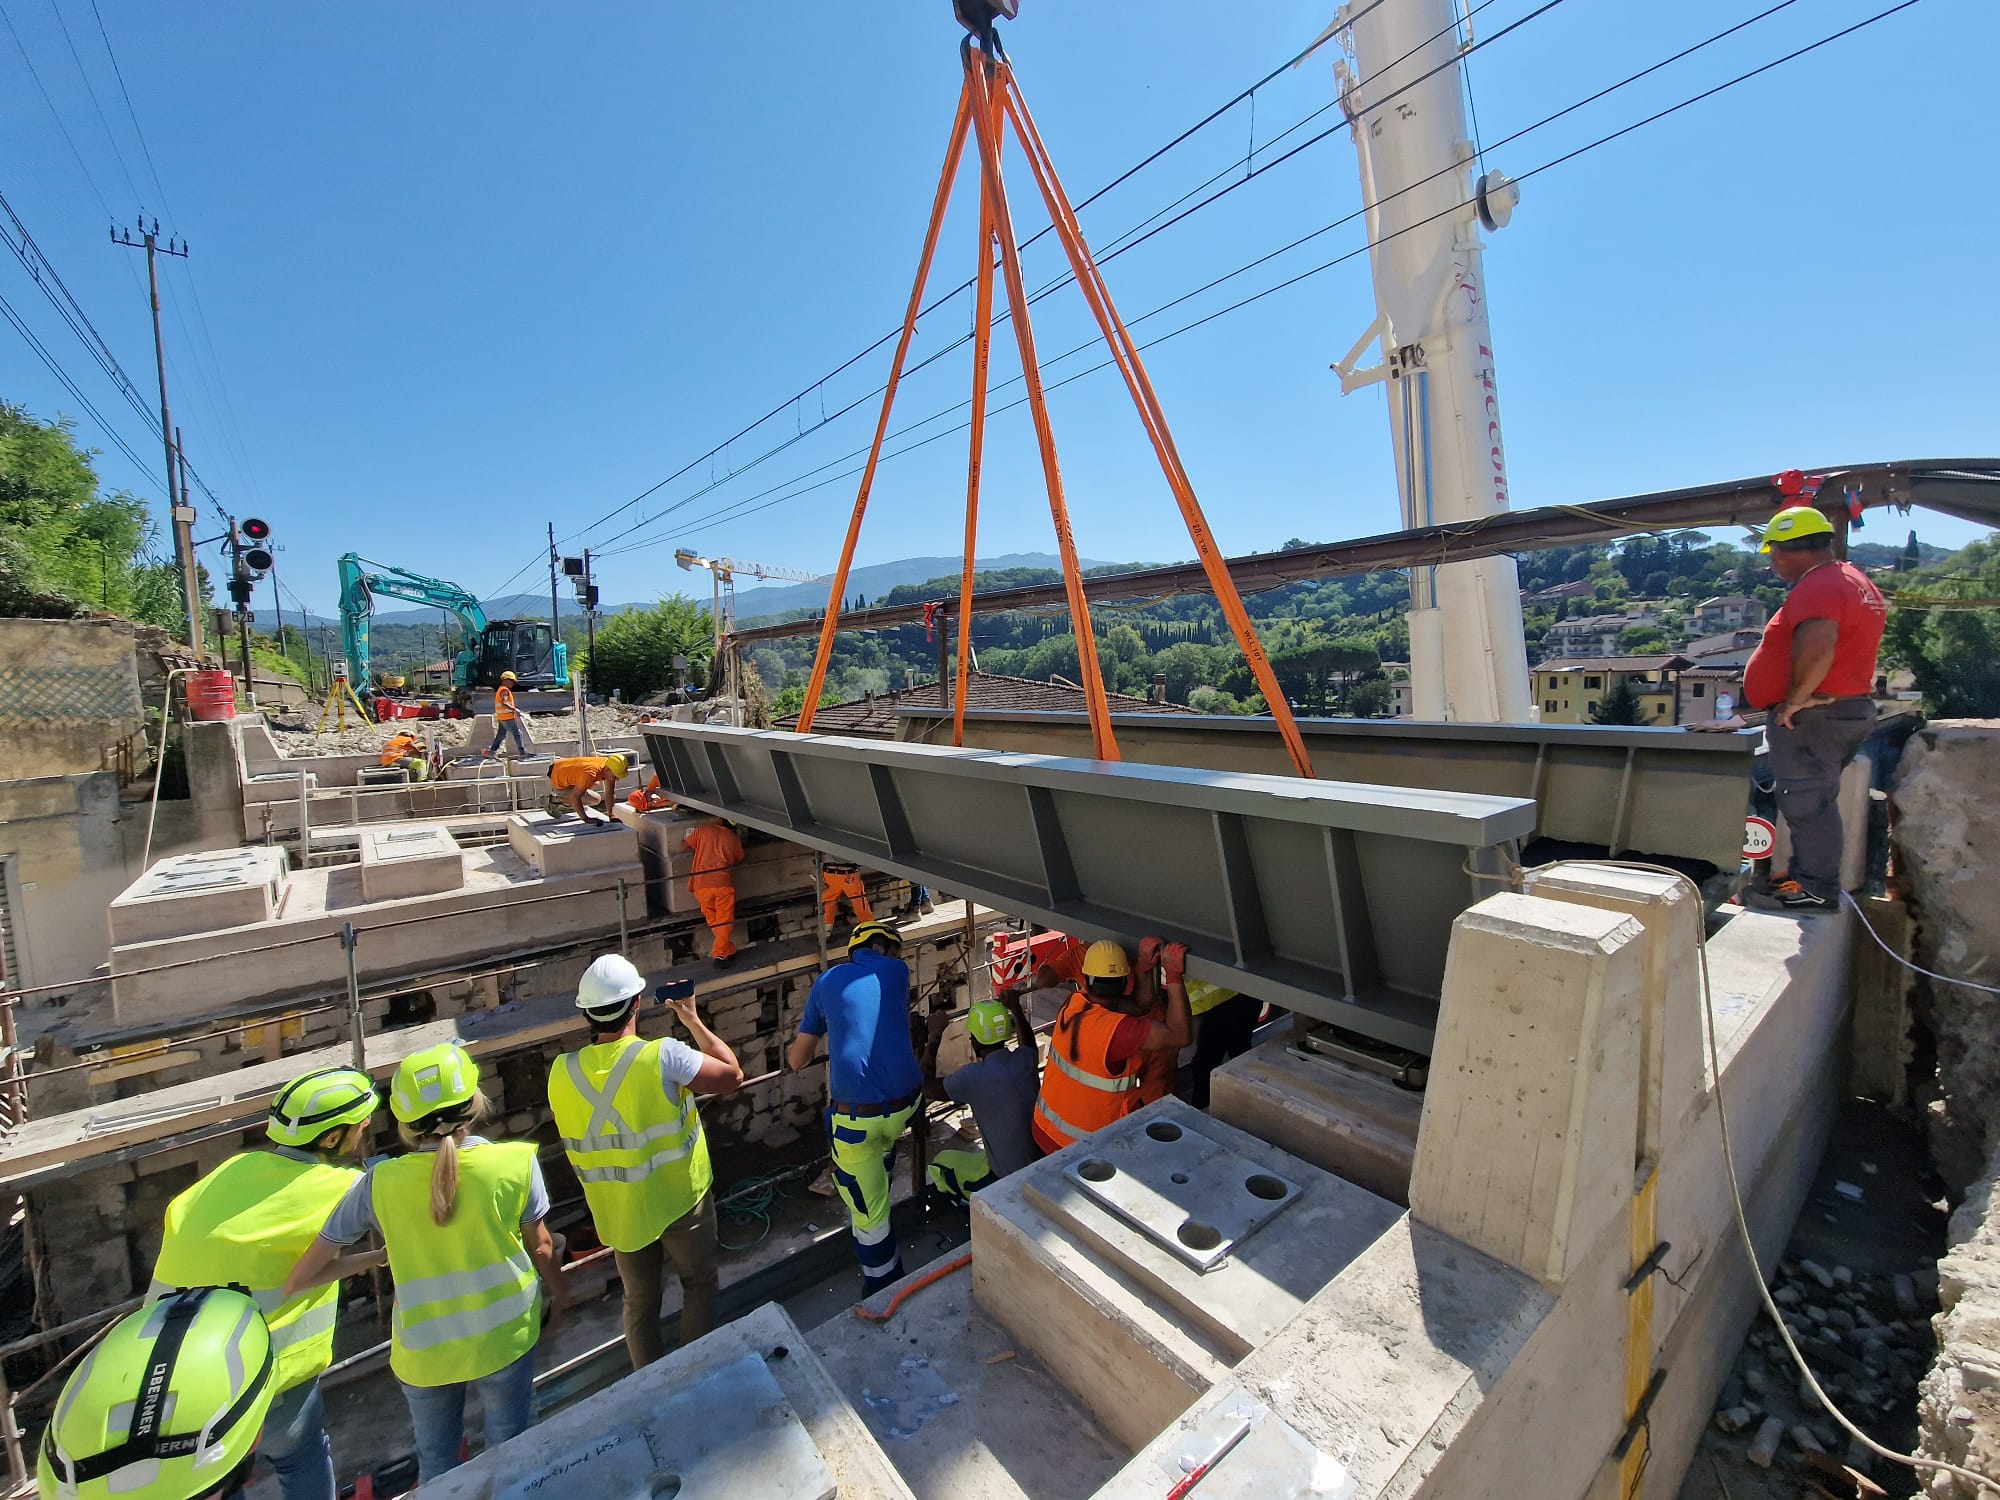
{"x": 716, "y": 848}
{"x": 1813, "y": 674}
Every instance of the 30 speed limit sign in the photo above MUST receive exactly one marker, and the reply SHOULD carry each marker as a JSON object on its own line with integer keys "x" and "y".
{"x": 1760, "y": 837}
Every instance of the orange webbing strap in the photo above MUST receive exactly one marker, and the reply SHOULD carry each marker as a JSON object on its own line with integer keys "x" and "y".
{"x": 831, "y": 623}
{"x": 1153, "y": 417}
{"x": 985, "y": 129}
{"x": 982, "y": 349}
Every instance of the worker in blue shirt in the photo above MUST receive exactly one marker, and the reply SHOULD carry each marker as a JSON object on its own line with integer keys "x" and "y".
{"x": 862, "y": 1008}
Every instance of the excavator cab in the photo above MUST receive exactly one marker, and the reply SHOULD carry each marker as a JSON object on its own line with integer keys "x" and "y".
{"x": 527, "y": 648}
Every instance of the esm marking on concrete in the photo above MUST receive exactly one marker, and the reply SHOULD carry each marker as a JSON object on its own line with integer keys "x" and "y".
{"x": 1194, "y": 1197}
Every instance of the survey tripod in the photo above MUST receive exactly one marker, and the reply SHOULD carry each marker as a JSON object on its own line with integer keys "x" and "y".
{"x": 990, "y": 97}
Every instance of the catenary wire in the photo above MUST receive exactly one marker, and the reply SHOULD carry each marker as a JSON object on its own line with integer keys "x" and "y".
{"x": 936, "y": 303}
{"x": 1131, "y": 239}
{"x": 726, "y": 513}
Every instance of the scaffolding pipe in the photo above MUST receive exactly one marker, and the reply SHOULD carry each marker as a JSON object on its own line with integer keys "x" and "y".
{"x": 356, "y": 1019}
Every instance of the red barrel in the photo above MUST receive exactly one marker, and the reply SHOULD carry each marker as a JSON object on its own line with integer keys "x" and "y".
{"x": 211, "y": 696}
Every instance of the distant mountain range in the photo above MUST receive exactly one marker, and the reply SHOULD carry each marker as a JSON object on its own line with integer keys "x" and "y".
{"x": 752, "y": 603}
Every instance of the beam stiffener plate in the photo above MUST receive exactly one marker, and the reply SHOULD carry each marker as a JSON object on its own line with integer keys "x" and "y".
{"x": 1332, "y": 899}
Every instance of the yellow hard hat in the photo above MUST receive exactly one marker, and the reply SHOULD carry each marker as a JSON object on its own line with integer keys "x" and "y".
{"x": 615, "y": 764}
{"x": 1106, "y": 960}
{"x": 509, "y": 677}
{"x": 1794, "y": 522}
{"x": 867, "y": 932}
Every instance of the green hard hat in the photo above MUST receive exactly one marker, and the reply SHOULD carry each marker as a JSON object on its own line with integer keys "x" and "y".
{"x": 166, "y": 1407}
{"x": 316, "y": 1102}
{"x": 990, "y": 1023}
{"x": 431, "y": 1080}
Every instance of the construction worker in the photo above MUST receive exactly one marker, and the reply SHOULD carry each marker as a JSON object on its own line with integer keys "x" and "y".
{"x": 649, "y": 798}
{"x": 625, "y": 1109}
{"x": 166, "y": 1407}
{"x": 716, "y": 849}
{"x": 506, "y": 717}
{"x": 1104, "y": 1037}
{"x": 462, "y": 1217}
{"x": 842, "y": 881}
{"x": 999, "y": 1084}
{"x": 1224, "y": 1024}
{"x": 1813, "y": 673}
{"x": 579, "y": 782}
{"x": 406, "y": 750}
{"x": 862, "y": 1008}
{"x": 247, "y": 1223}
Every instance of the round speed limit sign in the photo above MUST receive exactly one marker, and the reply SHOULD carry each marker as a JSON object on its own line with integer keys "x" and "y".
{"x": 1760, "y": 837}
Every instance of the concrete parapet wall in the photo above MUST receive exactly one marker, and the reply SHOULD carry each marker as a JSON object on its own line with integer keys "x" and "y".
{"x": 69, "y": 690}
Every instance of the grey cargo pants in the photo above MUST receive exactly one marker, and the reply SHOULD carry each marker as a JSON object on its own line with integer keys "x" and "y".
{"x": 1807, "y": 761}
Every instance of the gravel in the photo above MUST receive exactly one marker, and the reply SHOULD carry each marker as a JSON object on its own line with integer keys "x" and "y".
{"x": 297, "y": 731}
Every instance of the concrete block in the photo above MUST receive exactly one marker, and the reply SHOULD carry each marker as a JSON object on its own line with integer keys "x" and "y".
{"x": 746, "y": 1410}
{"x": 206, "y": 892}
{"x": 382, "y": 776}
{"x": 1354, "y": 1124}
{"x": 409, "y": 859}
{"x": 277, "y": 786}
{"x": 1529, "y": 1118}
{"x": 1673, "y": 1061}
{"x": 569, "y": 846}
{"x": 1132, "y": 1330}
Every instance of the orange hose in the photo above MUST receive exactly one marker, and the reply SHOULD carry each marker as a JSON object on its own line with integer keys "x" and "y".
{"x": 982, "y": 349}
{"x": 953, "y": 153}
{"x": 1152, "y": 416}
{"x": 870, "y": 1316}
{"x": 985, "y": 129}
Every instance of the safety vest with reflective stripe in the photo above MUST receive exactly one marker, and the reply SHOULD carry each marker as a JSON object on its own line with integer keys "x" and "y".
{"x": 246, "y": 1224}
{"x": 637, "y": 1146}
{"x": 467, "y": 1300}
{"x": 1080, "y": 1093}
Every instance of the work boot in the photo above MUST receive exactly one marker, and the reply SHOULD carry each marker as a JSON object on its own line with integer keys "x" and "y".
{"x": 725, "y": 962}
{"x": 1788, "y": 895}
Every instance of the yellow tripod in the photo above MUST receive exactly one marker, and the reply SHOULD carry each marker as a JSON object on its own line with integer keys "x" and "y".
{"x": 337, "y": 698}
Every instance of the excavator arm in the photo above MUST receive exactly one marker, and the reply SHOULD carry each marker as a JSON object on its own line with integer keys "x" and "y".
{"x": 358, "y": 588}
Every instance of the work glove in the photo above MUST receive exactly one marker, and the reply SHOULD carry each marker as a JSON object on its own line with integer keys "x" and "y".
{"x": 1149, "y": 953}
{"x": 1174, "y": 958}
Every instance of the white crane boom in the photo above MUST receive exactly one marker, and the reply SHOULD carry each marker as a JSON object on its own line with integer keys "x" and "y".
{"x": 1424, "y": 212}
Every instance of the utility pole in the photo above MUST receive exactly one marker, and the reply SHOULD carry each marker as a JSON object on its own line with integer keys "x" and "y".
{"x": 555, "y": 609}
{"x": 181, "y": 511}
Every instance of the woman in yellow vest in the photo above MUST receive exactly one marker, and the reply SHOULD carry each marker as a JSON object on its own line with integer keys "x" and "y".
{"x": 463, "y": 1219}
{"x": 247, "y": 1223}
{"x": 625, "y": 1108}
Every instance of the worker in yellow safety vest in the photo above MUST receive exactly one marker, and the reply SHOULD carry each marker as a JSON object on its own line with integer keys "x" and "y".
{"x": 406, "y": 750}
{"x": 625, "y": 1109}
{"x": 1100, "y": 1048}
{"x": 167, "y": 1406}
{"x": 462, "y": 1217}
{"x": 247, "y": 1223}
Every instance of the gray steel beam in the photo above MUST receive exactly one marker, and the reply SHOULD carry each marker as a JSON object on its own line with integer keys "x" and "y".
{"x": 1328, "y": 898}
{"x": 1660, "y": 793}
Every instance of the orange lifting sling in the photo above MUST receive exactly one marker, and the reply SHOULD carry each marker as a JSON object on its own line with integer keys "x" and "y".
{"x": 989, "y": 95}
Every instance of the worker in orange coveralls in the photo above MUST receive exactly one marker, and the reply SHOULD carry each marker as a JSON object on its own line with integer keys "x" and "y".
{"x": 716, "y": 847}
{"x": 843, "y": 880}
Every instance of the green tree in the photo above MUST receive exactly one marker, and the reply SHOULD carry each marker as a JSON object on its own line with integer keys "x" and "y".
{"x": 1641, "y": 640}
{"x": 1954, "y": 654}
{"x": 1619, "y": 706}
{"x": 1370, "y": 699}
{"x": 635, "y": 650}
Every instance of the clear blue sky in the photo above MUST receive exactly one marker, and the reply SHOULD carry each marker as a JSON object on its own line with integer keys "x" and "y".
{"x": 468, "y": 269}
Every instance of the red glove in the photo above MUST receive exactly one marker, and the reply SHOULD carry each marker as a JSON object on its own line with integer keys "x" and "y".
{"x": 1149, "y": 954}
{"x": 1175, "y": 959}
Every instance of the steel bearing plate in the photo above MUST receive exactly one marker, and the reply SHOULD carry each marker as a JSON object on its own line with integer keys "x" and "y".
{"x": 1192, "y": 1196}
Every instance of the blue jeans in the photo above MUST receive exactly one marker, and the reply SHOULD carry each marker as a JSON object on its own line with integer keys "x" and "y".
{"x": 295, "y": 1442}
{"x": 501, "y": 729}
{"x": 437, "y": 1412}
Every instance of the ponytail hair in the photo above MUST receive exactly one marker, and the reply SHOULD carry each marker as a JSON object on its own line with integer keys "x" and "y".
{"x": 445, "y": 1127}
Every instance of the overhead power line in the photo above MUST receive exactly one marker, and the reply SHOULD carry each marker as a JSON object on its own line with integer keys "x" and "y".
{"x": 738, "y": 509}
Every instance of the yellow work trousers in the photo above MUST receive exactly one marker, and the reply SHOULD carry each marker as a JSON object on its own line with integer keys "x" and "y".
{"x": 863, "y": 1151}
{"x": 846, "y": 883}
{"x": 717, "y": 894}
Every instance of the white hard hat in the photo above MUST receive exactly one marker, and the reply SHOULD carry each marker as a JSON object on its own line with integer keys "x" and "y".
{"x": 607, "y": 984}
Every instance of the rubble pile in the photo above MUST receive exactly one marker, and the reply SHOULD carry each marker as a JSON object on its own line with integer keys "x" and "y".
{"x": 1869, "y": 1342}
{"x": 1960, "y": 1409}
{"x": 297, "y": 731}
